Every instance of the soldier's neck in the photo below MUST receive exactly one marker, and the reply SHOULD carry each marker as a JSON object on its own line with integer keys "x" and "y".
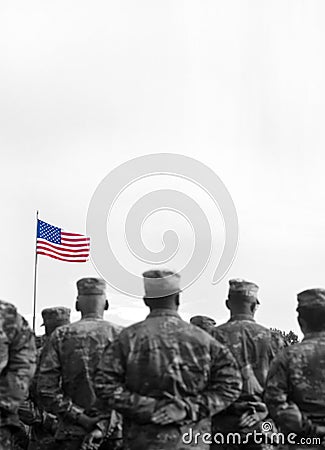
{"x": 92, "y": 315}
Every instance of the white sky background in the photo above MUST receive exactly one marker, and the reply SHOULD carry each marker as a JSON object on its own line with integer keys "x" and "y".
{"x": 238, "y": 85}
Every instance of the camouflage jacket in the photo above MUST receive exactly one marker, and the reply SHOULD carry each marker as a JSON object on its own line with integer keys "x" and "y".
{"x": 297, "y": 376}
{"x": 17, "y": 362}
{"x": 157, "y": 360}
{"x": 65, "y": 378}
{"x": 254, "y": 347}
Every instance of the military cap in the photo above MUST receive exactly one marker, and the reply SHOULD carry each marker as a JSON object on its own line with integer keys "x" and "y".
{"x": 311, "y": 298}
{"x": 196, "y": 320}
{"x": 56, "y": 314}
{"x": 243, "y": 290}
{"x": 161, "y": 283}
{"x": 91, "y": 286}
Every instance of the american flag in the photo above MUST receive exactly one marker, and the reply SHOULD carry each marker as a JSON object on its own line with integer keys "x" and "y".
{"x": 58, "y": 244}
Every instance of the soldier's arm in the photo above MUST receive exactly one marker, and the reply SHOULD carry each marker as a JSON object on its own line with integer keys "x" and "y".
{"x": 283, "y": 410}
{"x": 276, "y": 388}
{"x": 18, "y": 355}
{"x": 223, "y": 388}
{"x": 110, "y": 385}
{"x": 49, "y": 391}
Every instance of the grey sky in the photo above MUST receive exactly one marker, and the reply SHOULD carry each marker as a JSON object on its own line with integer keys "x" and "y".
{"x": 238, "y": 85}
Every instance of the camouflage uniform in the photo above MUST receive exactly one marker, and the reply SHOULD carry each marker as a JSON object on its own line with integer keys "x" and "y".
{"x": 296, "y": 382}
{"x": 65, "y": 379}
{"x": 43, "y": 424}
{"x": 254, "y": 347}
{"x": 17, "y": 366}
{"x": 160, "y": 359}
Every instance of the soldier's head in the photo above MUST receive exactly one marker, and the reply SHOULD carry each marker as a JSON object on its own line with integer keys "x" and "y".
{"x": 242, "y": 297}
{"x": 55, "y": 317}
{"x": 311, "y": 310}
{"x": 204, "y": 322}
{"x": 162, "y": 288}
{"x": 91, "y": 297}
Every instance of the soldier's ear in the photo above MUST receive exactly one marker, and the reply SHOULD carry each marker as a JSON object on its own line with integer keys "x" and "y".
{"x": 77, "y": 306}
{"x": 106, "y": 305}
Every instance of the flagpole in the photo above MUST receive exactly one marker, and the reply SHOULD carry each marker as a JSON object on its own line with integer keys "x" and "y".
{"x": 35, "y": 275}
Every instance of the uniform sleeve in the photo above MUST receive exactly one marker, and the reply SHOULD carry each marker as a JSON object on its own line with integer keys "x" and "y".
{"x": 50, "y": 394}
{"x": 17, "y": 364}
{"x": 276, "y": 389}
{"x": 283, "y": 410}
{"x": 223, "y": 388}
{"x": 110, "y": 386}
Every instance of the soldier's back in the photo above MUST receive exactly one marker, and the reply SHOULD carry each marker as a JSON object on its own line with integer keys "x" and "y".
{"x": 166, "y": 353}
{"x": 253, "y": 345}
{"x": 304, "y": 366}
{"x": 80, "y": 346}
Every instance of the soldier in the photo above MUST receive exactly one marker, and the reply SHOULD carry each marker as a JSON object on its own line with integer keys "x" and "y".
{"x": 166, "y": 376}
{"x": 206, "y": 323}
{"x": 17, "y": 366}
{"x": 43, "y": 424}
{"x": 54, "y": 317}
{"x": 254, "y": 346}
{"x": 65, "y": 380}
{"x": 295, "y": 388}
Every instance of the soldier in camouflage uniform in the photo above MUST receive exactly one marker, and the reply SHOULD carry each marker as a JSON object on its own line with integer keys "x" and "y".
{"x": 43, "y": 424}
{"x": 17, "y": 366}
{"x": 65, "y": 379}
{"x": 165, "y": 375}
{"x": 295, "y": 388}
{"x": 254, "y": 347}
{"x": 206, "y": 323}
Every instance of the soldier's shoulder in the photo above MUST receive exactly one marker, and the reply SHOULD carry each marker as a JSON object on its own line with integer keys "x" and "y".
{"x": 290, "y": 352}
{"x": 134, "y": 327}
{"x": 196, "y": 331}
{"x": 115, "y": 328}
{"x": 61, "y": 332}
{"x": 134, "y": 330}
{"x": 303, "y": 347}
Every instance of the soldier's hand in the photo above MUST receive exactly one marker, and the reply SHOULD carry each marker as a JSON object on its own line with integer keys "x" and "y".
{"x": 87, "y": 422}
{"x": 173, "y": 412}
{"x": 93, "y": 440}
{"x": 249, "y": 419}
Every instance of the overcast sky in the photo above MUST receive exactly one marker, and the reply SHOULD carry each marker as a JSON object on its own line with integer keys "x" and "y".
{"x": 239, "y": 85}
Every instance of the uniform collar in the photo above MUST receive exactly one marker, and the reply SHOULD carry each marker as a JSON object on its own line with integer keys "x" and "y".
{"x": 92, "y": 316}
{"x": 163, "y": 312}
{"x": 241, "y": 317}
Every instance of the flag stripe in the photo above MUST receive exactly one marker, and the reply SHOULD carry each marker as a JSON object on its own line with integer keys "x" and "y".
{"x": 73, "y": 247}
{"x": 74, "y": 240}
{"x": 64, "y": 233}
{"x": 63, "y": 252}
{"x": 74, "y": 259}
